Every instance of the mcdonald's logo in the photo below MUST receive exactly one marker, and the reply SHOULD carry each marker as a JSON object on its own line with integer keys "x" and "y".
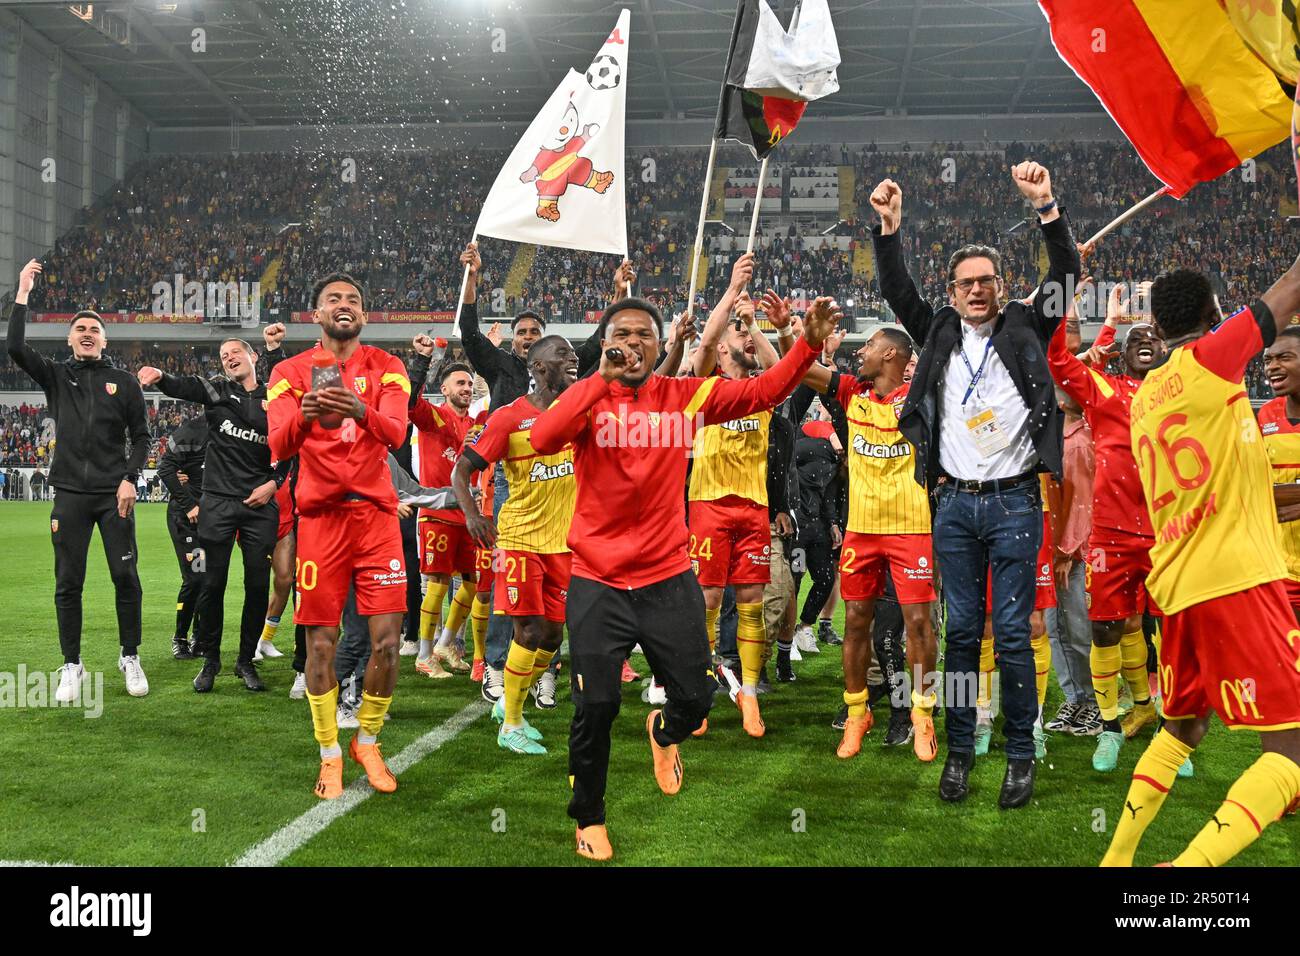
{"x": 1244, "y": 693}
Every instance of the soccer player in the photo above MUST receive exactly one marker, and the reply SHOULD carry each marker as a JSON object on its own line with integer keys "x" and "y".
{"x": 1120, "y": 543}
{"x": 531, "y": 556}
{"x": 731, "y": 538}
{"x": 888, "y": 533}
{"x": 1230, "y": 641}
{"x": 181, "y": 471}
{"x": 445, "y": 546}
{"x": 97, "y": 410}
{"x": 632, "y": 579}
{"x": 238, "y": 502}
{"x": 283, "y": 555}
{"x": 1279, "y": 422}
{"x": 347, "y": 516}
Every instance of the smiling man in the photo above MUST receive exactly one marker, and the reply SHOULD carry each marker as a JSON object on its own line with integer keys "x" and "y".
{"x": 97, "y": 410}
{"x": 1279, "y": 421}
{"x": 238, "y": 503}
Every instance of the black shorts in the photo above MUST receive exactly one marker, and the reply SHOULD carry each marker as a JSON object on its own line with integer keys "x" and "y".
{"x": 666, "y": 618}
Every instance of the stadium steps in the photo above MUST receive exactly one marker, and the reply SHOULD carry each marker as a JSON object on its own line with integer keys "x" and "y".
{"x": 718, "y": 193}
{"x": 519, "y": 269}
{"x": 271, "y": 273}
{"x": 848, "y": 186}
{"x": 864, "y": 263}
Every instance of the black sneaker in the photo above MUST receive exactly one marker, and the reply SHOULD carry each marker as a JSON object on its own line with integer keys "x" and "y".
{"x": 900, "y": 727}
{"x": 841, "y": 718}
{"x": 206, "y": 677}
{"x": 1060, "y": 724}
{"x": 826, "y": 633}
{"x": 1087, "y": 722}
{"x": 181, "y": 649}
{"x": 247, "y": 672}
{"x": 784, "y": 671}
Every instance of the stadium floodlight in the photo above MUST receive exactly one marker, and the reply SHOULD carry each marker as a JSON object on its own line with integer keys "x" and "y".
{"x": 286, "y": 227}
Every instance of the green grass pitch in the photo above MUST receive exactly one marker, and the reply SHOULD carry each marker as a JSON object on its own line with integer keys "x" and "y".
{"x": 182, "y": 779}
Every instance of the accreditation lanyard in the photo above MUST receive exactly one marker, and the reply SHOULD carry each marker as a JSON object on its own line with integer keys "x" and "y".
{"x": 975, "y": 374}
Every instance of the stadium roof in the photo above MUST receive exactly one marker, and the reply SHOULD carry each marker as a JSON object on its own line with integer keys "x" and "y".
{"x": 343, "y": 62}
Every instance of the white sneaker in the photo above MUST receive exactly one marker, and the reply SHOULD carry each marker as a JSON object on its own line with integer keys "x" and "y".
{"x": 70, "y": 678}
{"x": 299, "y": 689}
{"x": 805, "y": 638}
{"x": 794, "y": 651}
{"x": 494, "y": 684}
{"x": 266, "y": 649}
{"x": 137, "y": 685}
{"x": 408, "y": 649}
{"x": 544, "y": 691}
{"x": 346, "y": 718}
{"x": 656, "y": 694}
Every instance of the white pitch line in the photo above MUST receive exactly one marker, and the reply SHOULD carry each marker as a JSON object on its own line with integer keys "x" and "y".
{"x": 4, "y": 863}
{"x": 283, "y": 842}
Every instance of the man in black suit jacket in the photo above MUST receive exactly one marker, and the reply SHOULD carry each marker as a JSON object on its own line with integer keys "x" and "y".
{"x": 982, "y": 414}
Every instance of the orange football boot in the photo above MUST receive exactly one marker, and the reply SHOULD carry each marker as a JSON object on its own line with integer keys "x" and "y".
{"x": 593, "y": 842}
{"x": 923, "y": 741}
{"x": 855, "y": 728}
{"x": 667, "y": 761}
{"x": 377, "y": 772}
{"x": 329, "y": 785}
{"x": 750, "y": 718}
{"x": 431, "y": 667}
{"x": 701, "y": 730}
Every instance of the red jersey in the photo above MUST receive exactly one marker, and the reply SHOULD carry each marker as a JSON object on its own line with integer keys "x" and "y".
{"x": 1117, "y": 501}
{"x": 442, "y": 434}
{"x": 349, "y": 462}
{"x": 630, "y": 449}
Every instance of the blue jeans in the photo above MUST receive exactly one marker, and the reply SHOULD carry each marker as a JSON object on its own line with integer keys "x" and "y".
{"x": 975, "y": 534}
{"x": 1070, "y": 634}
{"x": 501, "y": 629}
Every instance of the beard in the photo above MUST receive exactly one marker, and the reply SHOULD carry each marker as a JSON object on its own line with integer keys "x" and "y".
{"x": 747, "y": 362}
{"x": 332, "y": 329}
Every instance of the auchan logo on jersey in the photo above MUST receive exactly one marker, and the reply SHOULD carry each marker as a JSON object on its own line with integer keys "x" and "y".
{"x": 540, "y": 472}
{"x": 871, "y": 450}
{"x": 742, "y": 425}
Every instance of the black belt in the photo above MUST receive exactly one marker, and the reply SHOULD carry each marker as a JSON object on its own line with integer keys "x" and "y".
{"x": 993, "y": 484}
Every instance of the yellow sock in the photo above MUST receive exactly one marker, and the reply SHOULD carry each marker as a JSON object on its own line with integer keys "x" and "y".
{"x": 541, "y": 662}
{"x": 1154, "y": 774}
{"x": 711, "y": 626}
{"x": 1105, "y": 679}
{"x": 431, "y": 610}
{"x": 857, "y": 703}
{"x": 519, "y": 676}
{"x": 461, "y": 603}
{"x": 324, "y": 716}
{"x": 268, "y": 629}
{"x": 370, "y": 715}
{"x": 751, "y": 636}
{"x": 984, "y": 690}
{"x": 1259, "y": 797}
{"x": 924, "y": 704}
{"x": 1133, "y": 663}
{"x": 1043, "y": 665}
{"x": 478, "y": 624}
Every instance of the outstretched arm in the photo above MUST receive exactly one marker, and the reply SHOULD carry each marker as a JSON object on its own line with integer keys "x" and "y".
{"x": 23, "y": 355}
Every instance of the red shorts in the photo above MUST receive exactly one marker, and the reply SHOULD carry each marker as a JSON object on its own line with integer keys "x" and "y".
{"x": 1293, "y": 594}
{"x": 908, "y": 557}
{"x": 1115, "y": 575}
{"x": 1239, "y": 655}
{"x": 1044, "y": 583}
{"x": 533, "y": 585}
{"x": 355, "y": 545}
{"x": 483, "y": 560}
{"x": 284, "y": 501}
{"x": 731, "y": 542}
{"x": 446, "y": 549}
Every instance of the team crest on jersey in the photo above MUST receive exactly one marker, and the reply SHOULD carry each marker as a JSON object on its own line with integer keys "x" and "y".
{"x": 512, "y": 595}
{"x": 897, "y": 405}
{"x": 110, "y": 387}
{"x": 359, "y": 383}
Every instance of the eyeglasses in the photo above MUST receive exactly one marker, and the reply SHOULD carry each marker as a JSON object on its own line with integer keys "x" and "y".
{"x": 965, "y": 285}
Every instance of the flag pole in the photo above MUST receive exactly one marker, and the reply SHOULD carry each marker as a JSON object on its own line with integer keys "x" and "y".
{"x": 699, "y": 229}
{"x": 464, "y": 284}
{"x": 1127, "y": 214}
{"x": 758, "y": 199}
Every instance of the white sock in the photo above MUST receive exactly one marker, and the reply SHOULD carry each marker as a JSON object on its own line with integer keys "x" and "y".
{"x": 510, "y": 728}
{"x": 444, "y": 638}
{"x": 750, "y": 689}
{"x": 426, "y": 648}
{"x": 983, "y": 715}
{"x": 365, "y": 738}
{"x": 327, "y": 752}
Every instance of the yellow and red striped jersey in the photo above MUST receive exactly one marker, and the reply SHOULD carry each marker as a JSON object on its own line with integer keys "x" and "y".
{"x": 543, "y": 491}
{"x": 1205, "y": 474}
{"x": 884, "y": 497}
{"x": 730, "y": 458}
{"x": 1282, "y": 442}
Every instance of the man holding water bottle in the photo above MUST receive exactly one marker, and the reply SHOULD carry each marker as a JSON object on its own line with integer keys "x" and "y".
{"x": 340, "y": 407}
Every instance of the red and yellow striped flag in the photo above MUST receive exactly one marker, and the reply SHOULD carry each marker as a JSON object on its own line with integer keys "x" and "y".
{"x": 1194, "y": 84}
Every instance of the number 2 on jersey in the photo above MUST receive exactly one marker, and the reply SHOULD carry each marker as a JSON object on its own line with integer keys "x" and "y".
{"x": 1170, "y": 451}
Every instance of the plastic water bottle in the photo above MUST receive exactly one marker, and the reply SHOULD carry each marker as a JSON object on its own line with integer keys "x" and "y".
{"x": 325, "y": 374}
{"x": 439, "y": 352}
